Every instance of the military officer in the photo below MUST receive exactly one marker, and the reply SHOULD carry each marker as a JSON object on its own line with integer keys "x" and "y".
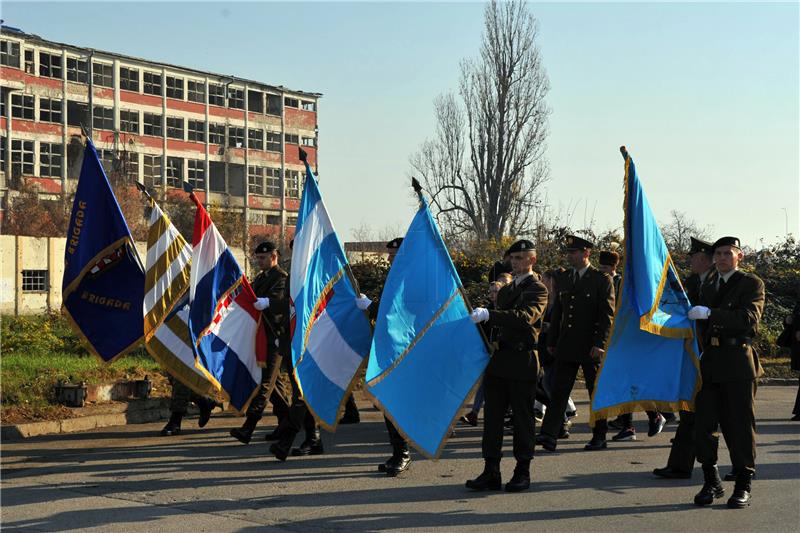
{"x": 609, "y": 259}
{"x": 270, "y": 288}
{"x": 579, "y": 329}
{"x": 401, "y": 457}
{"x": 179, "y": 404}
{"x": 681, "y": 455}
{"x": 513, "y": 370}
{"x": 730, "y": 309}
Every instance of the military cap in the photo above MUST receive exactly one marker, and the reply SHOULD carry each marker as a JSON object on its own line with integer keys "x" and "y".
{"x": 576, "y": 243}
{"x": 394, "y": 244}
{"x": 266, "y": 247}
{"x": 700, "y": 246}
{"x": 727, "y": 241}
{"x": 609, "y": 258}
{"x": 522, "y": 245}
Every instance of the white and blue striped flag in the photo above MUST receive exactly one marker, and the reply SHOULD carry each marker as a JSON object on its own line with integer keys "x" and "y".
{"x": 224, "y": 325}
{"x": 331, "y": 336}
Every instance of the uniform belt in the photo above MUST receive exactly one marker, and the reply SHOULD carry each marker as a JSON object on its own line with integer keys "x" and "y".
{"x": 730, "y": 341}
{"x": 515, "y": 346}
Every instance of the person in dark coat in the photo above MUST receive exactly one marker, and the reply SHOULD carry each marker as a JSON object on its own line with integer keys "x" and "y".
{"x": 513, "y": 370}
{"x": 790, "y": 338}
{"x": 728, "y": 316}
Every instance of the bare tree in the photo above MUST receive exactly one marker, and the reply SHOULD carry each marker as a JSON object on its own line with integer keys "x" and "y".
{"x": 681, "y": 227}
{"x": 485, "y": 166}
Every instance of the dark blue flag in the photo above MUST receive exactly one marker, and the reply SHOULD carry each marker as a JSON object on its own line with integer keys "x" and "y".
{"x": 103, "y": 287}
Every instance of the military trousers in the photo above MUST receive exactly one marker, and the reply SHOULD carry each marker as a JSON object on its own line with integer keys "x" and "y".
{"x": 500, "y": 394}
{"x": 271, "y": 388}
{"x": 298, "y": 417}
{"x": 682, "y": 452}
{"x": 563, "y": 381}
{"x": 181, "y": 396}
{"x": 730, "y": 406}
{"x": 397, "y": 440}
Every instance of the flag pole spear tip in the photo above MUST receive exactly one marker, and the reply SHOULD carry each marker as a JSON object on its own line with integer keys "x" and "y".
{"x": 303, "y": 155}
{"x": 623, "y": 151}
{"x": 415, "y": 185}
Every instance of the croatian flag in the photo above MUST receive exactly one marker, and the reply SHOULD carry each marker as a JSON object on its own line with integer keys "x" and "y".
{"x": 224, "y": 325}
{"x": 330, "y": 335}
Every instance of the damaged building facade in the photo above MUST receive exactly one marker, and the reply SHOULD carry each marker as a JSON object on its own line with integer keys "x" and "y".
{"x": 234, "y": 140}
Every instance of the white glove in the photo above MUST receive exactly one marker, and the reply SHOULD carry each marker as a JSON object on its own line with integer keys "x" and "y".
{"x": 261, "y": 303}
{"x": 362, "y": 302}
{"x": 479, "y": 314}
{"x": 699, "y": 312}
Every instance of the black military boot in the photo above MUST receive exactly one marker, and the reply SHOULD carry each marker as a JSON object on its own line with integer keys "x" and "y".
{"x": 245, "y": 433}
{"x": 351, "y": 414}
{"x": 741, "y": 491}
{"x": 521, "y": 480}
{"x": 206, "y": 405}
{"x": 399, "y": 461}
{"x": 283, "y": 447}
{"x": 489, "y": 479}
{"x": 311, "y": 446}
{"x": 173, "y": 426}
{"x": 712, "y": 487}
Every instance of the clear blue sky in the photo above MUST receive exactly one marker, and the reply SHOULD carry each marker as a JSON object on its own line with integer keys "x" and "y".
{"x": 705, "y": 96}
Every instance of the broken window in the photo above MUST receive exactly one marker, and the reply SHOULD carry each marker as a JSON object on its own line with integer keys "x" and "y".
{"x": 309, "y": 141}
{"x": 174, "y": 171}
{"x": 50, "y": 110}
{"x": 152, "y": 124}
{"x": 291, "y": 138}
{"x": 77, "y": 113}
{"x": 274, "y": 104}
{"x": 77, "y": 70}
{"x": 273, "y": 187}
{"x": 152, "y": 170}
{"x": 196, "y": 91}
{"x": 291, "y": 102}
{"x": 175, "y": 87}
{"x": 197, "y": 173}
{"x": 29, "y": 66}
{"x": 216, "y": 133}
{"x": 255, "y": 101}
{"x": 9, "y": 53}
{"x": 308, "y": 106}
{"x": 50, "y": 65}
{"x": 129, "y": 79}
{"x": 236, "y": 179}
{"x": 130, "y": 165}
{"x": 196, "y": 131}
{"x": 22, "y": 106}
{"x": 273, "y": 141}
{"x": 3, "y": 97}
{"x": 216, "y": 172}
{"x": 216, "y": 94}
{"x": 107, "y": 160}
{"x": 255, "y": 180}
{"x": 103, "y": 118}
{"x": 175, "y": 128}
{"x": 236, "y": 98}
{"x": 235, "y": 137}
{"x": 50, "y": 155}
{"x": 152, "y": 83}
{"x": 255, "y": 139}
{"x": 21, "y": 158}
{"x": 103, "y": 74}
{"x": 129, "y": 121}
{"x": 3, "y": 155}
{"x": 292, "y": 184}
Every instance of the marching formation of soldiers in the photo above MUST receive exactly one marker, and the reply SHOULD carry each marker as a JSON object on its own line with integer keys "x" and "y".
{"x": 561, "y": 322}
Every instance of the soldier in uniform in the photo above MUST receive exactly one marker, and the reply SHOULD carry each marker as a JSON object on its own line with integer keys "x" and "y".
{"x": 179, "y": 404}
{"x": 513, "y": 371}
{"x": 730, "y": 309}
{"x": 681, "y": 456}
{"x": 270, "y": 288}
{"x": 579, "y": 330}
{"x": 401, "y": 456}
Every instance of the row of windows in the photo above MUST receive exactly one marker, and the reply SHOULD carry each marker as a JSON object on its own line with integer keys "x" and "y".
{"x": 77, "y": 70}
{"x": 260, "y": 180}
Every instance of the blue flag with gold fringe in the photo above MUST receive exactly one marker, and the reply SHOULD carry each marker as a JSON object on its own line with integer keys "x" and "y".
{"x": 103, "y": 285}
{"x": 426, "y": 353}
{"x": 651, "y": 360}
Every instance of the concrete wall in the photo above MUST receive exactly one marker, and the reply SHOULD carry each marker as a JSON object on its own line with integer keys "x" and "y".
{"x": 19, "y": 253}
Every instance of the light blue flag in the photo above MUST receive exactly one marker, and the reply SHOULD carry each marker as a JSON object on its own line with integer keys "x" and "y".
{"x": 426, "y": 353}
{"x": 651, "y": 360}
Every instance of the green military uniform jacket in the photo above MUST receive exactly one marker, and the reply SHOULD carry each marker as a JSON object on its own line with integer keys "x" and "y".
{"x": 272, "y": 284}
{"x": 727, "y": 335}
{"x": 582, "y": 315}
{"x": 517, "y": 317}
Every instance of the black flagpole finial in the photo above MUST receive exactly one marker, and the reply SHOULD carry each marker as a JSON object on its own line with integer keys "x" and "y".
{"x": 303, "y": 155}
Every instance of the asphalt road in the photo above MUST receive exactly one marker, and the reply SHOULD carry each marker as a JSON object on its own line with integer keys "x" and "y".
{"x": 128, "y": 479}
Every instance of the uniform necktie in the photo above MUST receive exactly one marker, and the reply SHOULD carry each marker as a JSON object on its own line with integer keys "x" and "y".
{"x": 721, "y": 283}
